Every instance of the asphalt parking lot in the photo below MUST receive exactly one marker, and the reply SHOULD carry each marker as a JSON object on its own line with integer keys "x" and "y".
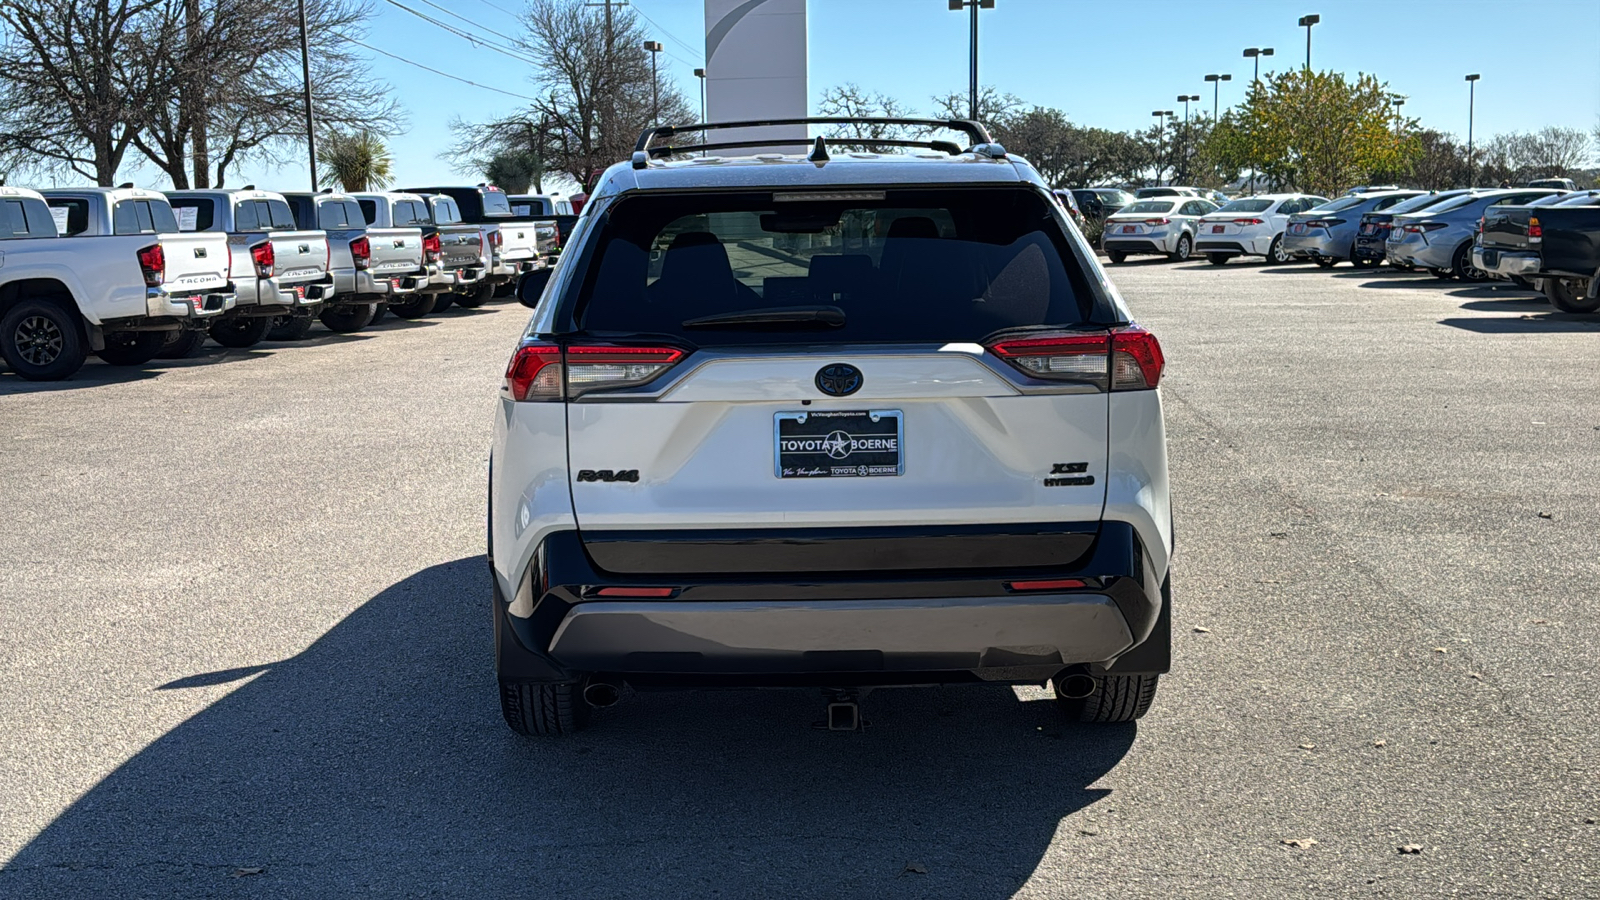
{"x": 245, "y": 646}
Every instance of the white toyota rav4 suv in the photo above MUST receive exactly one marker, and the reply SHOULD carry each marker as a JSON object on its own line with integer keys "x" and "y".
{"x": 841, "y": 420}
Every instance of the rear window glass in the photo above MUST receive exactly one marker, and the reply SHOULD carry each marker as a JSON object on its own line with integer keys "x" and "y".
{"x": 194, "y": 214}
{"x": 1592, "y": 198}
{"x": 1339, "y": 204}
{"x": 1454, "y": 203}
{"x": 332, "y": 215}
{"x": 72, "y": 216}
{"x": 410, "y": 212}
{"x": 1416, "y": 203}
{"x": 444, "y": 211}
{"x": 1243, "y": 206}
{"x": 274, "y": 215}
{"x": 495, "y": 203}
{"x": 1147, "y": 206}
{"x": 897, "y": 266}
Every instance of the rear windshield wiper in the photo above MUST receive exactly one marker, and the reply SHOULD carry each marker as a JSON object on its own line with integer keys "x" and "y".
{"x": 780, "y": 316}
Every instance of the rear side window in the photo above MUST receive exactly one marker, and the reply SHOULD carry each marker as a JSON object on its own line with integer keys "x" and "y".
{"x": 71, "y": 216}
{"x": 13, "y": 220}
{"x": 196, "y": 214}
{"x": 896, "y": 266}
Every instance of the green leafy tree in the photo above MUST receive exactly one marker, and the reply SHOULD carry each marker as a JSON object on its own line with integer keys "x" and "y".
{"x": 357, "y": 160}
{"x": 516, "y": 170}
{"x": 1316, "y": 131}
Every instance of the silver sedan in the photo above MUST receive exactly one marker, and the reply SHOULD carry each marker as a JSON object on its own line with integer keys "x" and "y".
{"x": 1327, "y": 234}
{"x": 1164, "y": 225}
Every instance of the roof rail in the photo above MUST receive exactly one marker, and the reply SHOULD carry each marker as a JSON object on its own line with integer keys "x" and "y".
{"x": 668, "y": 149}
{"x": 973, "y": 130}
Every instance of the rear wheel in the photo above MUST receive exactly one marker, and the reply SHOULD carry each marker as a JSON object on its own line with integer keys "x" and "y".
{"x": 1217, "y": 259}
{"x": 1570, "y": 295}
{"x": 240, "y": 331}
{"x": 1276, "y": 255}
{"x": 40, "y": 341}
{"x": 347, "y": 319}
{"x": 543, "y": 709}
{"x": 1461, "y": 265}
{"x": 290, "y": 328}
{"x": 1116, "y": 256}
{"x": 1116, "y": 698}
{"x": 185, "y": 344}
{"x": 1184, "y": 251}
{"x": 131, "y": 348}
{"x": 414, "y": 307}
{"x": 474, "y": 298}
{"x": 378, "y": 312}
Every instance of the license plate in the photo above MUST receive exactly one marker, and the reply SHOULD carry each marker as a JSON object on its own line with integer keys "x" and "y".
{"x": 1127, "y": 229}
{"x": 839, "y": 443}
{"x": 1216, "y": 229}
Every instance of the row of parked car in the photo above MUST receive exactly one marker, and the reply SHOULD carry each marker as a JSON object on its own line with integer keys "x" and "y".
{"x": 1544, "y": 238}
{"x": 130, "y": 275}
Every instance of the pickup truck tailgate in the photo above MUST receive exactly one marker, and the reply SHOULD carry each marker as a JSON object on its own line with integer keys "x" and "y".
{"x": 460, "y": 246}
{"x": 195, "y": 260}
{"x": 1506, "y": 228}
{"x": 519, "y": 241}
{"x": 299, "y": 256}
{"x": 395, "y": 251}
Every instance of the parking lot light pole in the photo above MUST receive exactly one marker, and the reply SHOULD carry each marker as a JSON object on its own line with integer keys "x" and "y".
{"x": 972, "y": 75}
{"x": 1256, "y": 53}
{"x": 1306, "y": 22}
{"x": 701, "y": 74}
{"x": 1472, "y": 99}
{"x": 1397, "y": 101}
{"x": 1161, "y": 131}
{"x": 654, "y": 49}
{"x": 1216, "y": 91}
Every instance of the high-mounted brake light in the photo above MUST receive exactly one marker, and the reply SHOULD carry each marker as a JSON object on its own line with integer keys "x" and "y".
{"x": 361, "y": 252}
{"x": 542, "y": 372}
{"x": 1535, "y": 230}
{"x": 153, "y": 262}
{"x": 265, "y": 258}
{"x": 432, "y": 247}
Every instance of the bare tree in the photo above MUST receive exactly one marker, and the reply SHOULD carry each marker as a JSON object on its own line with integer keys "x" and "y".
{"x": 596, "y": 93}
{"x": 72, "y": 72}
{"x": 994, "y": 108}
{"x": 851, "y": 101}
{"x": 237, "y": 86}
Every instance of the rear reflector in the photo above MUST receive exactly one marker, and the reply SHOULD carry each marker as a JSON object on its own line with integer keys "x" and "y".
{"x": 1060, "y": 584}
{"x": 635, "y": 592}
{"x": 537, "y": 372}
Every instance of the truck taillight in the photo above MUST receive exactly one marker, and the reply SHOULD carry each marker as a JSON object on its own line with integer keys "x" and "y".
{"x": 153, "y": 262}
{"x": 496, "y": 239}
{"x": 432, "y": 247}
{"x": 541, "y": 371}
{"x": 1535, "y": 230}
{"x": 361, "y": 252}
{"x": 265, "y": 258}
{"x": 1130, "y": 353}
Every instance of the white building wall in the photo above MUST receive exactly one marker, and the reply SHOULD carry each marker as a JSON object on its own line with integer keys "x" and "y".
{"x": 756, "y": 68}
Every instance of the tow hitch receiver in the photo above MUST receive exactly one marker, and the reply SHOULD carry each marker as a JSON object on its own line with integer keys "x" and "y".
{"x": 844, "y": 711}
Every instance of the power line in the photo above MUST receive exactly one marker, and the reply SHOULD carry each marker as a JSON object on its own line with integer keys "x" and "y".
{"x": 670, "y": 36}
{"x": 443, "y": 74}
{"x": 502, "y": 9}
{"x": 473, "y": 39}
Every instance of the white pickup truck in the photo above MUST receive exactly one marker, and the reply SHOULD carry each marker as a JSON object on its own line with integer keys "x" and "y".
{"x": 396, "y": 213}
{"x": 277, "y": 269}
{"x": 510, "y": 245}
{"x": 370, "y": 264}
{"x": 99, "y": 270}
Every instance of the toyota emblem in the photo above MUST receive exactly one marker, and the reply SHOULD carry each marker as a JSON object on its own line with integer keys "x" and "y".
{"x": 839, "y": 379}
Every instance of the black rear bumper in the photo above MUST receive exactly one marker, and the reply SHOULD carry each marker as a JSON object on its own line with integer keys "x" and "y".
{"x": 888, "y": 626}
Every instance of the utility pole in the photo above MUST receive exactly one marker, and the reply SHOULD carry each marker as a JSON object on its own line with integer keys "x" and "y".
{"x": 194, "y": 91}
{"x": 1472, "y": 99}
{"x": 608, "y": 117}
{"x": 305, "y": 68}
{"x": 972, "y": 75}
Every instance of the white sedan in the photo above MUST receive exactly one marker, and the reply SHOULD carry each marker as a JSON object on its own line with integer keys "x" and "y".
{"x": 1251, "y": 226}
{"x": 1158, "y": 225}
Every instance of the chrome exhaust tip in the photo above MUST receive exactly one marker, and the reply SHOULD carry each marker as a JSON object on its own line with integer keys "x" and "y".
{"x": 601, "y": 694}
{"x": 1075, "y": 685}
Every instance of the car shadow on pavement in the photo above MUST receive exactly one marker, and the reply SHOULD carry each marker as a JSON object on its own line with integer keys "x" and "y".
{"x": 97, "y": 374}
{"x": 374, "y": 763}
{"x": 1529, "y": 323}
{"x": 1410, "y": 283}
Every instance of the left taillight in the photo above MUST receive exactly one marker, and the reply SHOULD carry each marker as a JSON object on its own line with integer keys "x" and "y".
{"x": 542, "y": 371}
{"x": 1127, "y": 358}
{"x": 153, "y": 262}
{"x": 432, "y": 247}
{"x": 361, "y": 252}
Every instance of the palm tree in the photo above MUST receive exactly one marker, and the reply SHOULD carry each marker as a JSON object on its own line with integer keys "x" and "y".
{"x": 357, "y": 160}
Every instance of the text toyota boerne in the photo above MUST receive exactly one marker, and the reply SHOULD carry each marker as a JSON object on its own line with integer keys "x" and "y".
{"x": 845, "y": 419}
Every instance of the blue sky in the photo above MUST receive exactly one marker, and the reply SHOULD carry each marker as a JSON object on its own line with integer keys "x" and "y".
{"x": 1106, "y": 64}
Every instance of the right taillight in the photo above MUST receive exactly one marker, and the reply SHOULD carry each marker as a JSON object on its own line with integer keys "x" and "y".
{"x": 1136, "y": 359}
{"x": 153, "y": 262}
{"x": 1247, "y": 221}
{"x": 1535, "y": 230}
{"x": 264, "y": 258}
{"x": 544, "y": 372}
{"x": 1127, "y": 359}
{"x": 432, "y": 247}
{"x": 361, "y": 252}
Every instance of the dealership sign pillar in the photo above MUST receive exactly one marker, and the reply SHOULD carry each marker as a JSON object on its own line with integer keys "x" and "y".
{"x": 756, "y": 69}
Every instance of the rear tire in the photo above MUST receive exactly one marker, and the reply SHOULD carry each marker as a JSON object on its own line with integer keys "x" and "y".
{"x": 415, "y": 307}
{"x": 131, "y": 348}
{"x": 543, "y": 709}
{"x": 476, "y": 298}
{"x": 1276, "y": 255}
{"x": 240, "y": 332}
{"x": 378, "y": 312}
{"x": 1461, "y": 265}
{"x": 186, "y": 344}
{"x": 40, "y": 341}
{"x": 348, "y": 319}
{"x": 443, "y": 301}
{"x": 1569, "y": 295}
{"x": 290, "y": 328}
{"x": 1217, "y": 259}
{"x": 1116, "y": 256}
{"x": 1184, "y": 251}
{"x": 1116, "y": 698}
